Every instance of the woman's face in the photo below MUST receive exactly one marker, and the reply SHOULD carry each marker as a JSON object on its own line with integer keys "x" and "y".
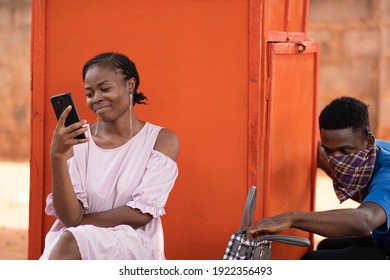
{"x": 108, "y": 95}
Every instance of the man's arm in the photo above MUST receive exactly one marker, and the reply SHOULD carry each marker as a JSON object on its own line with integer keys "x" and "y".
{"x": 333, "y": 223}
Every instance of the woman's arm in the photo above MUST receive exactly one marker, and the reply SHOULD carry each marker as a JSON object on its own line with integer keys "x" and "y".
{"x": 166, "y": 143}
{"x": 67, "y": 206}
{"x": 118, "y": 216}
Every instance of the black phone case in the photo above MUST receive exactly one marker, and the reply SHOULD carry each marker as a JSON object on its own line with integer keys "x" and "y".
{"x": 60, "y": 102}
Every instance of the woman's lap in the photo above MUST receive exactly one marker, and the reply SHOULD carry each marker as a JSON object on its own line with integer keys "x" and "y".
{"x": 118, "y": 243}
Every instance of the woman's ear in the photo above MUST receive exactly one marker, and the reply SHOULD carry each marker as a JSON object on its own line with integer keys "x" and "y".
{"x": 131, "y": 84}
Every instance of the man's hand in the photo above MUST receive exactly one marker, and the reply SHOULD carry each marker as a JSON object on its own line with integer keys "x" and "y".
{"x": 271, "y": 225}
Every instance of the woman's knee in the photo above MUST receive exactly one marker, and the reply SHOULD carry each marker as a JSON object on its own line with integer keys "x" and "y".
{"x": 66, "y": 248}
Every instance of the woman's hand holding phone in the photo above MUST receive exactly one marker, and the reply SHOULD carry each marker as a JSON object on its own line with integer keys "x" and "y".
{"x": 69, "y": 130}
{"x": 60, "y": 102}
{"x": 64, "y": 137}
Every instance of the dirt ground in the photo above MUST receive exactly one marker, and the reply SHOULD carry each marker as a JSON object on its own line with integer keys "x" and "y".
{"x": 13, "y": 244}
{"x": 14, "y": 193}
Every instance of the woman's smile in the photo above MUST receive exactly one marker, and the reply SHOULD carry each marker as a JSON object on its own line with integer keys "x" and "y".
{"x": 101, "y": 109}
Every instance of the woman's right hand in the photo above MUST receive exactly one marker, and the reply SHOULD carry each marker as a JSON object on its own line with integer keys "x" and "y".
{"x": 64, "y": 137}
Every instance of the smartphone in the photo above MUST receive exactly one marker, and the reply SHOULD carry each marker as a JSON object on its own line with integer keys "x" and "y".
{"x": 60, "y": 102}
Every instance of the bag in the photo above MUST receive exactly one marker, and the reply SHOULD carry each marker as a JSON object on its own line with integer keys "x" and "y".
{"x": 242, "y": 248}
{"x": 239, "y": 246}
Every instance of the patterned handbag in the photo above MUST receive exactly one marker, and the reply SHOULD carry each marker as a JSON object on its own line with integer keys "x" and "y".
{"x": 239, "y": 246}
{"x": 242, "y": 248}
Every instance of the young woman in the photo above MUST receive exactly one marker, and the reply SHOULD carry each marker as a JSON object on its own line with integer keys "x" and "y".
{"x": 109, "y": 190}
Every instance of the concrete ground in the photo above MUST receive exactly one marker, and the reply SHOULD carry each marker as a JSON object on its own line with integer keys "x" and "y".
{"x": 14, "y": 193}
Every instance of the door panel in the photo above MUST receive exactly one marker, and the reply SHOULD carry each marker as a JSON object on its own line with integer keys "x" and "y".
{"x": 291, "y": 133}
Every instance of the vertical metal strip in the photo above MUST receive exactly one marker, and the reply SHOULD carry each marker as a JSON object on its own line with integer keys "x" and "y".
{"x": 306, "y": 15}
{"x": 35, "y": 232}
{"x": 254, "y": 89}
{"x": 286, "y": 16}
{"x": 315, "y": 133}
{"x": 256, "y": 103}
{"x": 267, "y": 115}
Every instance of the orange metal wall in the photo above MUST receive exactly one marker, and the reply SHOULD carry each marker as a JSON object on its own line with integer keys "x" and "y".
{"x": 203, "y": 66}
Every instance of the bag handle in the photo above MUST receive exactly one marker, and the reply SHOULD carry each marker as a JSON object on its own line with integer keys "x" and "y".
{"x": 249, "y": 209}
{"x": 286, "y": 239}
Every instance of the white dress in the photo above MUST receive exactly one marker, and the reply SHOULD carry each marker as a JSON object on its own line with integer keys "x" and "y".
{"x": 133, "y": 174}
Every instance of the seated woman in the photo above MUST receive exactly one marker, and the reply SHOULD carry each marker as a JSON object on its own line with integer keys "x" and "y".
{"x": 109, "y": 190}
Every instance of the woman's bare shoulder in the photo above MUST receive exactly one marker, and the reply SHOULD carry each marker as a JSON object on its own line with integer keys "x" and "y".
{"x": 167, "y": 143}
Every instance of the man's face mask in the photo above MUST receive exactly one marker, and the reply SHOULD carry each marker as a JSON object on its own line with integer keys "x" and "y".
{"x": 351, "y": 173}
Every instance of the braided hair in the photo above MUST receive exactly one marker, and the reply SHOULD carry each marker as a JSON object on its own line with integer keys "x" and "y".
{"x": 117, "y": 61}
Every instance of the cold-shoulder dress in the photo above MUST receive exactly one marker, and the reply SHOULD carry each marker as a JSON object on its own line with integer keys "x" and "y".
{"x": 133, "y": 174}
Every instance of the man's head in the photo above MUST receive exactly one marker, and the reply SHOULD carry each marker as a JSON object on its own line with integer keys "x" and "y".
{"x": 345, "y": 112}
{"x": 349, "y": 145}
{"x": 344, "y": 127}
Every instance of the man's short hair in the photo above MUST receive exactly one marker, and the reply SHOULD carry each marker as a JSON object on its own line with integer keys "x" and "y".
{"x": 345, "y": 112}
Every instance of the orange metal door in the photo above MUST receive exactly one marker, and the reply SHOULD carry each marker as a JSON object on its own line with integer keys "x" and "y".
{"x": 291, "y": 134}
